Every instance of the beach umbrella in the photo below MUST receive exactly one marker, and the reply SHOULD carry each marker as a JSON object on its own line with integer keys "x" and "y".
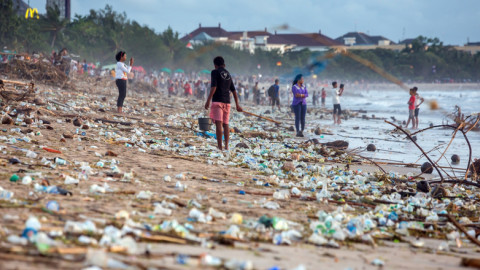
{"x": 166, "y": 70}
{"x": 139, "y": 69}
{"x": 179, "y": 71}
{"x": 205, "y": 71}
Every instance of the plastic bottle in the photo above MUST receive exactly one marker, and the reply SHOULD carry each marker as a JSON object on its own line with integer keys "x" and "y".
{"x": 159, "y": 209}
{"x": 197, "y": 215}
{"x": 180, "y": 187}
{"x": 236, "y": 218}
{"x": 31, "y": 154}
{"x": 27, "y": 180}
{"x": 323, "y": 194}
{"x": 32, "y": 225}
{"x": 238, "y": 265}
{"x": 216, "y": 214}
{"x": 144, "y": 195}
{"x": 70, "y": 180}
{"x": 296, "y": 191}
{"x": 5, "y": 194}
{"x": 53, "y": 206}
{"x": 271, "y": 205}
{"x": 14, "y": 239}
{"x": 279, "y": 224}
{"x": 282, "y": 194}
{"x": 14, "y": 178}
{"x": 209, "y": 260}
{"x": 60, "y": 161}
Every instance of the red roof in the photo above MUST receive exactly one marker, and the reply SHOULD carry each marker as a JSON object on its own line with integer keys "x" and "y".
{"x": 303, "y": 40}
{"x": 214, "y": 32}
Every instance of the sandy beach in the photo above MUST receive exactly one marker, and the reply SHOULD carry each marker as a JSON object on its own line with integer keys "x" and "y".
{"x": 143, "y": 173}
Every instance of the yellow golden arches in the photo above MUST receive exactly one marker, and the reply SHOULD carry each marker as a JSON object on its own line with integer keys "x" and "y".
{"x": 32, "y": 12}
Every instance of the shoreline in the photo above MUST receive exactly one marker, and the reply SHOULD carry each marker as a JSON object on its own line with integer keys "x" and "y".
{"x": 421, "y": 86}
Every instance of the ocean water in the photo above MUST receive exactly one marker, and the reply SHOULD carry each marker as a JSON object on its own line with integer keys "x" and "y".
{"x": 395, "y": 147}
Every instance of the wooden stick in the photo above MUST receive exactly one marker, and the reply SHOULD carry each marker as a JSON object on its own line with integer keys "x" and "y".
{"x": 461, "y": 228}
{"x": 163, "y": 238}
{"x": 259, "y": 116}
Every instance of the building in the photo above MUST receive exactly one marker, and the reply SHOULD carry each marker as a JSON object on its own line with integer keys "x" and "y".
{"x": 470, "y": 47}
{"x": 260, "y": 39}
{"x": 212, "y": 33}
{"x": 297, "y": 42}
{"x": 63, "y": 5}
{"x": 362, "y": 39}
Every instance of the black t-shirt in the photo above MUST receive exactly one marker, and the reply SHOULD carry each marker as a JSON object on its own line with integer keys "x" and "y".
{"x": 223, "y": 81}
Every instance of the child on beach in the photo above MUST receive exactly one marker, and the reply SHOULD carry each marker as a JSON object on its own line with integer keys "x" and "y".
{"x": 418, "y": 101}
{"x": 411, "y": 108}
{"x": 221, "y": 86}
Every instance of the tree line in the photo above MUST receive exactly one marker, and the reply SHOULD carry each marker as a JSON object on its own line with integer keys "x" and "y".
{"x": 97, "y": 36}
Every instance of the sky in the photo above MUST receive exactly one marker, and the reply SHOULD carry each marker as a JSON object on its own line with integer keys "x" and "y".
{"x": 452, "y": 21}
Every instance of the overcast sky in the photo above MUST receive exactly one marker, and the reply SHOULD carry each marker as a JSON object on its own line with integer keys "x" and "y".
{"x": 453, "y": 21}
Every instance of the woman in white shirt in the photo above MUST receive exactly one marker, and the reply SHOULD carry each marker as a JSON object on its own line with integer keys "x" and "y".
{"x": 121, "y": 71}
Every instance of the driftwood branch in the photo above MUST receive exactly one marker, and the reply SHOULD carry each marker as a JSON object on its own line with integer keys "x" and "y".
{"x": 461, "y": 228}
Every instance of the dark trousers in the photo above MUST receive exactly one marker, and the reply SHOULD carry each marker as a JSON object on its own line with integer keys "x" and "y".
{"x": 300, "y": 111}
{"x": 122, "y": 91}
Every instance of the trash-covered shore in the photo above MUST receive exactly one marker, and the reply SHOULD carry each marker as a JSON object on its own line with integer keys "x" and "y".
{"x": 85, "y": 188}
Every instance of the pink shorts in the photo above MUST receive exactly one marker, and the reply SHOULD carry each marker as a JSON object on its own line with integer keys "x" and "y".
{"x": 220, "y": 112}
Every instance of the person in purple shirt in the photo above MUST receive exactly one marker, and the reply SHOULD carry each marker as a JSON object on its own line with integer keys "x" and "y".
{"x": 299, "y": 104}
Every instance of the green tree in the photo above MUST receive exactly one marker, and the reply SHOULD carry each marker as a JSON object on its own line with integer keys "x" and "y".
{"x": 9, "y": 22}
{"x": 52, "y": 23}
{"x": 172, "y": 42}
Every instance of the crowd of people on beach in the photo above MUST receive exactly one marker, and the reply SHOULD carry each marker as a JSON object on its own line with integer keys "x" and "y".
{"x": 256, "y": 89}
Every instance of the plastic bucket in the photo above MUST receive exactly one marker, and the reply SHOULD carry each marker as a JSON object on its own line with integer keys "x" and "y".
{"x": 204, "y": 123}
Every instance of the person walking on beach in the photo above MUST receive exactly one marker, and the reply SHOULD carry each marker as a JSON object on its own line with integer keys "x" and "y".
{"x": 337, "y": 109}
{"x": 276, "y": 95}
{"x": 256, "y": 93}
{"x": 418, "y": 101}
{"x": 221, "y": 86}
{"x": 121, "y": 71}
{"x": 314, "y": 98}
{"x": 323, "y": 96}
{"x": 299, "y": 103}
{"x": 411, "y": 108}
{"x": 187, "y": 89}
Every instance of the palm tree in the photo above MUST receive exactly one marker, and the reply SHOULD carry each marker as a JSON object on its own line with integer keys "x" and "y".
{"x": 171, "y": 41}
{"x": 51, "y": 22}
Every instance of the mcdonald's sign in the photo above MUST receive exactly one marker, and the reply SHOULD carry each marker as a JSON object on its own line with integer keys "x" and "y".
{"x": 32, "y": 13}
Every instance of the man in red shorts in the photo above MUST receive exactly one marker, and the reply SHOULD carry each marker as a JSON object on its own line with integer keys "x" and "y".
{"x": 221, "y": 86}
